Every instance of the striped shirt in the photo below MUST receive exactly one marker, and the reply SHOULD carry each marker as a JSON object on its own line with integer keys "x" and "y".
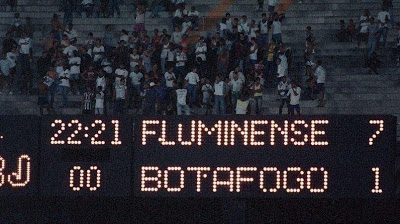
{"x": 88, "y": 101}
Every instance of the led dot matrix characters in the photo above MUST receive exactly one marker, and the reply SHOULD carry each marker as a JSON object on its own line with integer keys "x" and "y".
{"x": 294, "y": 179}
{"x": 251, "y": 132}
{"x": 75, "y": 138}
{"x": 81, "y": 182}
{"x": 380, "y": 123}
{"x": 20, "y": 178}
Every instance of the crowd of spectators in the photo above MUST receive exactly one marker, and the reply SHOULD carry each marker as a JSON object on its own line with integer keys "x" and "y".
{"x": 371, "y": 30}
{"x": 157, "y": 72}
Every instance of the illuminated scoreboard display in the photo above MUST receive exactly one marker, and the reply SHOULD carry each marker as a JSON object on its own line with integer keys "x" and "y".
{"x": 198, "y": 156}
{"x": 86, "y": 156}
{"x": 319, "y": 156}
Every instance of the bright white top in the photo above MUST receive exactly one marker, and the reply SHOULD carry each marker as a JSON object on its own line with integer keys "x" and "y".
{"x": 294, "y": 100}
{"x": 192, "y": 78}
{"x": 320, "y": 73}
{"x": 169, "y": 79}
{"x": 135, "y": 78}
{"x": 181, "y": 96}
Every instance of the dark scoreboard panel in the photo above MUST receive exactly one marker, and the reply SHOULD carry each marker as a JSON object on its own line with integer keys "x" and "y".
{"x": 19, "y": 155}
{"x": 198, "y": 156}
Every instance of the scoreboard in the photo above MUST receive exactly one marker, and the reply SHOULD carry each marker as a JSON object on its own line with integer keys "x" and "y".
{"x": 343, "y": 156}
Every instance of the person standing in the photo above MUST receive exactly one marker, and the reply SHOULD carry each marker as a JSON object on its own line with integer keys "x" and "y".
{"x": 220, "y": 90}
{"x": 373, "y": 30}
{"x": 119, "y": 96}
{"x": 193, "y": 79}
{"x": 181, "y": 105}
{"x": 64, "y": 77}
{"x": 207, "y": 90}
{"x": 150, "y": 96}
{"x": 258, "y": 93}
{"x": 389, "y": 9}
{"x": 384, "y": 19}
{"x": 364, "y": 23}
{"x": 320, "y": 76}
{"x": 283, "y": 89}
{"x": 180, "y": 66}
{"x": 87, "y": 101}
{"x": 294, "y": 94}
{"x": 5, "y": 66}
{"x": 263, "y": 26}
{"x": 24, "y": 59}
{"x": 235, "y": 87}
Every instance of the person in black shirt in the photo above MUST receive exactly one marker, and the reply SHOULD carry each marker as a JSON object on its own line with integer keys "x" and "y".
{"x": 9, "y": 43}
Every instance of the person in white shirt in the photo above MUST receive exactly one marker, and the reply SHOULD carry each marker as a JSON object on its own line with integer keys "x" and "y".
{"x": 169, "y": 78}
{"x": 194, "y": 17}
{"x": 253, "y": 52}
{"x": 120, "y": 73}
{"x": 24, "y": 60}
{"x": 192, "y": 79}
{"x": 134, "y": 58}
{"x": 101, "y": 80}
{"x": 263, "y": 26}
{"x": 220, "y": 91}
{"x": 383, "y": 19}
{"x": 207, "y": 90}
{"x": 86, "y": 6}
{"x": 252, "y": 29}
{"x": 75, "y": 71}
{"x": 223, "y": 28}
{"x": 5, "y": 66}
{"x": 201, "y": 49}
{"x": 181, "y": 105}
{"x": 71, "y": 33}
{"x": 166, "y": 49}
{"x": 98, "y": 52}
{"x": 64, "y": 85}
{"x": 178, "y": 16}
{"x": 235, "y": 87}
{"x": 69, "y": 51}
{"x": 364, "y": 23}
{"x": 176, "y": 36}
{"x": 186, "y": 25}
{"x": 99, "y": 101}
{"x": 12, "y": 57}
{"x": 244, "y": 25}
{"x": 283, "y": 89}
{"x": 294, "y": 103}
{"x": 271, "y": 5}
{"x": 180, "y": 66}
{"x": 281, "y": 70}
{"x": 320, "y": 76}
{"x": 119, "y": 96}
{"x": 136, "y": 76}
{"x": 277, "y": 28}
{"x": 239, "y": 72}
